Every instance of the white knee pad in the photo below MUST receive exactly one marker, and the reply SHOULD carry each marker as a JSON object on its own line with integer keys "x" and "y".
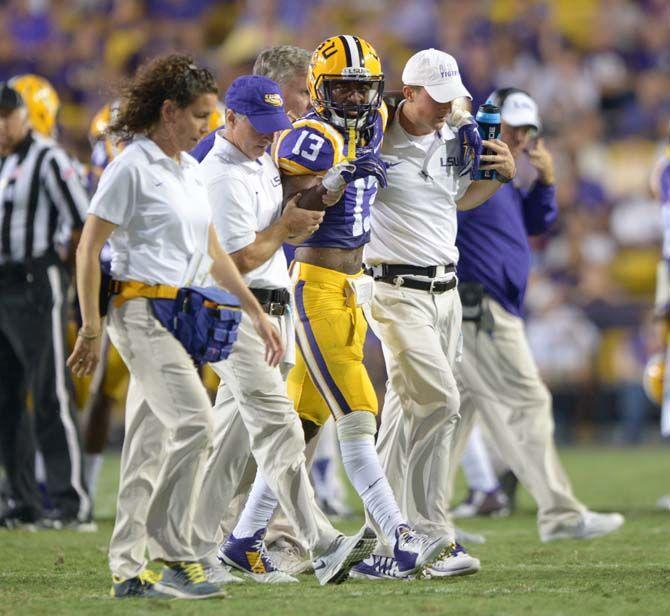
{"x": 357, "y": 425}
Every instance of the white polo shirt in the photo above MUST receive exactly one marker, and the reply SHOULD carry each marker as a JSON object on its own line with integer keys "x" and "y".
{"x": 162, "y": 211}
{"x": 246, "y": 197}
{"x": 413, "y": 220}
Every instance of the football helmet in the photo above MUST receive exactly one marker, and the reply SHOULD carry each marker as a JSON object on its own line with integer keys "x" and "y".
{"x": 99, "y": 130}
{"x": 41, "y": 101}
{"x": 345, "y": 58}
{"x": 652, "y": 380}
{"x": 217, "y": 118}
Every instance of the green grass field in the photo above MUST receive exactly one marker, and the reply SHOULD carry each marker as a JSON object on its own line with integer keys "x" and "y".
{"x": 627, "y": 573}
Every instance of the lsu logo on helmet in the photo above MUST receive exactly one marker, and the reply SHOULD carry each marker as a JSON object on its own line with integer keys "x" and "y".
{"x": 217, "y": 118}
{"x": 99, "y": 130}
{"x": 41, "y": 101}
{"x": 341, "y": 59}
{"x": 652, "y": 380}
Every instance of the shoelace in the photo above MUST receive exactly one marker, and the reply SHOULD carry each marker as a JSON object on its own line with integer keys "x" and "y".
{"x": 411, "y": 538}
{"x": 259, "y": 546}
{"x": 194, "y": 572}
{"x": 149, "y": 577}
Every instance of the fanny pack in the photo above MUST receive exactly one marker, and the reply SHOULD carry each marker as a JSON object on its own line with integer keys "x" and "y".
{"x": 205, "y": 320}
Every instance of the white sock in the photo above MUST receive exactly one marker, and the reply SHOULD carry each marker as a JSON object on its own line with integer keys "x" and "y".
{"x": 258, "y": 509}
{"x": 323, "y": 472}
{"x": 92, "y": 468}
{"x": 40, "y": 468}
{"x": 477, "y": 465}
{"x": 361, "y": 463}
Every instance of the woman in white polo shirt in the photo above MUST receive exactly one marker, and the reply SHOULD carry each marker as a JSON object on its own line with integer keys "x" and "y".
{"x": 153, "y": 206}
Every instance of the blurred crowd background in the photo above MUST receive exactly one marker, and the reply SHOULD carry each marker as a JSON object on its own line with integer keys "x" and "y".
{"x": 599, "y": 70}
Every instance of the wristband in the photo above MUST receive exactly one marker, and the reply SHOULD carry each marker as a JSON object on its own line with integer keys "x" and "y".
{"x": 84, "y": 336}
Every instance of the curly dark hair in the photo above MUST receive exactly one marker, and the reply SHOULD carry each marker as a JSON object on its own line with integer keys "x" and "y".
{"x": 174, "y": 77}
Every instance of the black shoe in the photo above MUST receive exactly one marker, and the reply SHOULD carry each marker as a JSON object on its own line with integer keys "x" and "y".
{"x": 18, "y": 517}
{"x": 58, "y": 519}
{"x": 509, "y": 484}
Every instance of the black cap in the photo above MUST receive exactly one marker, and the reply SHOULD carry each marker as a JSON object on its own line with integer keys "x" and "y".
{"x": 10, "y": 99}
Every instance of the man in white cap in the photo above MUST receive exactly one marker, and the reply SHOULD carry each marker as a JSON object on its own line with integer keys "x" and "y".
{"x": 430, "y": 147}
{"x": 498, "y": 376}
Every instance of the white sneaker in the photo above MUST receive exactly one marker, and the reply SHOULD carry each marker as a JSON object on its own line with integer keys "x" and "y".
{"x": 289, "y": 558}
{"x": 456, "y": 562}
{"x": 463, "y": 536}
{"x": 413, "y": 550}
{"x": 345, "y": 552}
{"x": 218, "y": 573}
{"x": 664, "y": 502}
{"x": 591, "y": 525}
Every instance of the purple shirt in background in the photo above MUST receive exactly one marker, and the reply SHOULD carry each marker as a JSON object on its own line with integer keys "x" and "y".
{"x": 30, "y": 29}
{"x": 492, "y": 240}
{"x": 204, "y": 146}
{"x": 178, "y": 9}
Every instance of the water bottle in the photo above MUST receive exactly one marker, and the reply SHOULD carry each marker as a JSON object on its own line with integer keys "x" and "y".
{"x": 488, "y": 120}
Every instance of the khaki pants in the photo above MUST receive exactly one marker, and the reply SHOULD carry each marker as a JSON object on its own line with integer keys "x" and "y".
{"x": 420, "y": 333}
{"x": 168, "y": 436}
{"x": 264, "y": 422}
{"x": 499, "y": 380}
{"x": 280, "y": 528}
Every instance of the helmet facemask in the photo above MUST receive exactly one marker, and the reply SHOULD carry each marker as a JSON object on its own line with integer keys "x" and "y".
{"x": 346, "y": 115}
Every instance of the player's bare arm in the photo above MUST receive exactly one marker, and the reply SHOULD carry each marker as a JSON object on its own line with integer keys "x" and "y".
{"x": 314, "y": 196}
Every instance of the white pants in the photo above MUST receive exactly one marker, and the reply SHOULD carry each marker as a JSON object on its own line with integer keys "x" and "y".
{"x": 168, "y": 436}
{"x": 420, "y": 333}
{"x": 265, "y": 421}
{"x": 499, "y": 379}
{"x": 280, "y": 528}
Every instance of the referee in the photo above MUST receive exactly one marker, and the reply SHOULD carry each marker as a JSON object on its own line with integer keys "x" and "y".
{"x": 42, "y": 205}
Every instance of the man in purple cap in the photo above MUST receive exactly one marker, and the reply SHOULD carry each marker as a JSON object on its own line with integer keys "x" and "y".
{"x": 285, "y": 64}
{"x": 246, "y": 195}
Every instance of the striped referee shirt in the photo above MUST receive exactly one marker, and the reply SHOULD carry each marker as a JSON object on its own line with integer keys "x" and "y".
{"x": 41, "y": 200}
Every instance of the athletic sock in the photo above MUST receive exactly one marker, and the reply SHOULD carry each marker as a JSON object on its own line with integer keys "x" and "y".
{"x": 476, "y": 464}
{"x": 362, "y": 466}
{"x": 258, "y": 509}
{"x": 92, "y": 468}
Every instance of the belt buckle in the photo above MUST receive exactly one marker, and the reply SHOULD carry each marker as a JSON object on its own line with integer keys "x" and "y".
{"x": 434, "y": 291}
{"x": 276, "y": 309}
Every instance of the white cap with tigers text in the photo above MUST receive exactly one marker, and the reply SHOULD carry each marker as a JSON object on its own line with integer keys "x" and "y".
{"x": 438, "y": 73}
{"x": 519, "y": 109}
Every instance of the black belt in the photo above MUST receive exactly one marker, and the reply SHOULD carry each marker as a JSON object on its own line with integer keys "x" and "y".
{"x": 413, "y": 270}
{"x": 273, "y": 301}
{"x": 391, "y": 274}
{"x": 17, "y": 272}
{"x": 433, "y": 286}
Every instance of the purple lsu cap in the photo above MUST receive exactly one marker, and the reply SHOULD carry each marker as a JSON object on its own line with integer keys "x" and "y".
{"x": 260, "y": 99}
